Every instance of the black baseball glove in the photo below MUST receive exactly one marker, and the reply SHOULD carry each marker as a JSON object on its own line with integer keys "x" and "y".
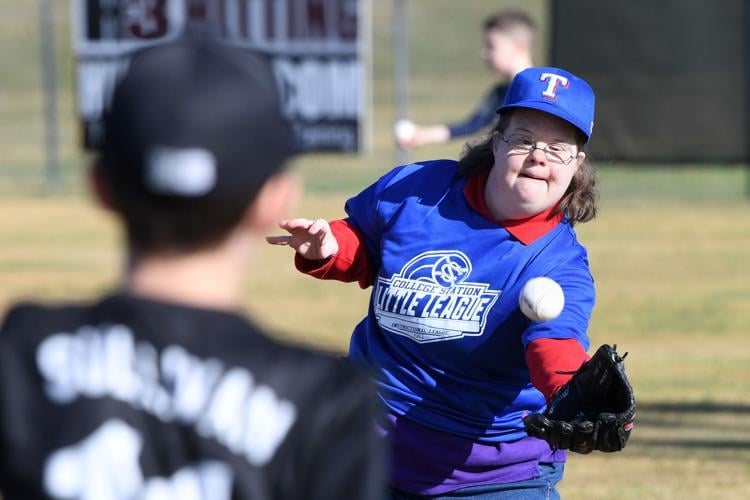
{"x": 594, "y": 411}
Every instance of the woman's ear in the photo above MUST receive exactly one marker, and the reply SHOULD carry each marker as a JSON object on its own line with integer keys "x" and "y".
{"x": 278, "y": 196}
{"x": 580, "y": 158}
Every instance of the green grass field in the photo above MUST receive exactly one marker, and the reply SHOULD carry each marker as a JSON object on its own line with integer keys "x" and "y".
{"x": 669, "y": 252}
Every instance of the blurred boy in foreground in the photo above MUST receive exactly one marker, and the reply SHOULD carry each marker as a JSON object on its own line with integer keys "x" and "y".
{"x": 162, "y": 389}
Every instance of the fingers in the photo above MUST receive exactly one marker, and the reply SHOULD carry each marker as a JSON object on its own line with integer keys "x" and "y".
{"x": 313, "y": 227}
{"x": 278, "y": 240}
{"x": 318, "y": 226}
{"x": 293, "y": 224}
{"x": 290, "y": 225}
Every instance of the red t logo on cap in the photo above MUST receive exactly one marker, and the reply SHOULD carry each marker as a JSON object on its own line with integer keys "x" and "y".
{"x": 553, "y": 81}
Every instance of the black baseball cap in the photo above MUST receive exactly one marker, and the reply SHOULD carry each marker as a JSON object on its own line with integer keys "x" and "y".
{"x": 195, "y": 119}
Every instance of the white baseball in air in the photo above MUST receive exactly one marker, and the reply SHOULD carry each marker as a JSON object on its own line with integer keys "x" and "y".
{"x": 404, "y": 130}
{"x": 541, "y": 299}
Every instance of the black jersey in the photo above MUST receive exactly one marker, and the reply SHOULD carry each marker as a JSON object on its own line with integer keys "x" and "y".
{"x": 134, "y": 398}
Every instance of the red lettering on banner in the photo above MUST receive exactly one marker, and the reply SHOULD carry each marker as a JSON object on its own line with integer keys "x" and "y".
{"x": 146, "y": 19}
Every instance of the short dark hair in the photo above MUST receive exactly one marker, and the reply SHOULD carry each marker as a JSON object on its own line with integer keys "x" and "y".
{"x": 510, "y": 20}
{"x": 194, "y": 131}
{"x": 579, "y": 203}
{"x": 158, "y": 224}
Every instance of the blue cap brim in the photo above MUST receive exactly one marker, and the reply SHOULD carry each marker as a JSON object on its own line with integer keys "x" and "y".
{"x": 551, "y": 108}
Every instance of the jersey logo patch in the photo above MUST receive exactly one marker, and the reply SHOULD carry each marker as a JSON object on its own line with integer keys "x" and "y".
{"x": 430, "y": 300}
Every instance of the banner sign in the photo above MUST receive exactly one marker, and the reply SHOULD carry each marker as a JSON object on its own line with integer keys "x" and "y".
{"x": 314, "y": 47}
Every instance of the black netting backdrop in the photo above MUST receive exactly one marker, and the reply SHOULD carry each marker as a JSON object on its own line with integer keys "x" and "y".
{"x": 670, "y": 76}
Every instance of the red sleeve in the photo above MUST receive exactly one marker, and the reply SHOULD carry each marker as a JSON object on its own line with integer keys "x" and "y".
{"x": 351, "y": 262}
{"x": 546, "y": 357}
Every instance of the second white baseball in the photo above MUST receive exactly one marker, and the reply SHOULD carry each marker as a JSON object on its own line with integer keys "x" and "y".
{"x": 404, "y": 130}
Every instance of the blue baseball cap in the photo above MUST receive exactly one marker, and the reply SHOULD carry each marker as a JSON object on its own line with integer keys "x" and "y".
{"x": 554, "y": 91}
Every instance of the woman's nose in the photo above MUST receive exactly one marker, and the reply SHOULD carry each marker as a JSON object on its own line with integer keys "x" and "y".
{"x": 538, "y": 156}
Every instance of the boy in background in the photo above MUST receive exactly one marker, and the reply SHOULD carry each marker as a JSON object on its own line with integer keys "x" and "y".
{"x": 509, "y": 39}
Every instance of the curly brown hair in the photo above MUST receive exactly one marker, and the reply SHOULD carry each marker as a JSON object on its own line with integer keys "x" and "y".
{"x": 579, "y": 203}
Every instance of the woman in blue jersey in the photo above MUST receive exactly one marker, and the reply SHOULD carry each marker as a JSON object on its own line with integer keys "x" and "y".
{"x": 447, "y": 247}
{"x": 508, "y": 48}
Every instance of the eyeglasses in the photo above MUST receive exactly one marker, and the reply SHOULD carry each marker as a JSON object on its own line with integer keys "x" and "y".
{"x": 557, "y": 152}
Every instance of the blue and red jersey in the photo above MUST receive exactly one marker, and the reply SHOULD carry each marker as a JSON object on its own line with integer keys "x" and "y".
{"x": 444, "y": 335}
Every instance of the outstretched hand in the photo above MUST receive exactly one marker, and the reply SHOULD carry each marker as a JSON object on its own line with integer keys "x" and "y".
{"x": 312, "y": 239}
